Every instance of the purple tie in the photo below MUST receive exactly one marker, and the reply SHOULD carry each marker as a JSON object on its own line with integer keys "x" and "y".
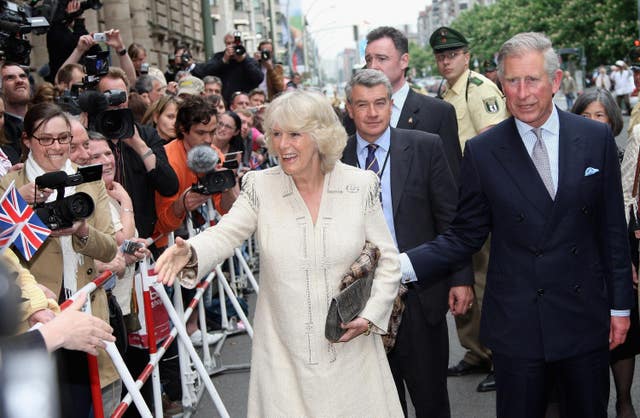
{"x": 371, "y": 163}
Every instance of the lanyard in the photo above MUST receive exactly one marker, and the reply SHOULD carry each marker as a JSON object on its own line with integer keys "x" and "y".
{"x": 384, "y": 164}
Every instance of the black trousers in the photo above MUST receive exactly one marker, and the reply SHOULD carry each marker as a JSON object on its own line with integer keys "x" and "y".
{"x": 523, "y": 385}
{"x": 420, "y": 359}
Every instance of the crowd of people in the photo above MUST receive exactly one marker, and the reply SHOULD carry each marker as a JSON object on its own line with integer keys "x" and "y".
{"x": 488, "y": 202}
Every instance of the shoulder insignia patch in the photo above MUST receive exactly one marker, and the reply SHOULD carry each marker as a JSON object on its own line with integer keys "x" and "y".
{"x": 475, "y": 80}
{"x": 491, "y": 104}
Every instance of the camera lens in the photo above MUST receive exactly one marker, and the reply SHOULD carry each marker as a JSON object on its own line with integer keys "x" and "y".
{"x": 79, "y": 205}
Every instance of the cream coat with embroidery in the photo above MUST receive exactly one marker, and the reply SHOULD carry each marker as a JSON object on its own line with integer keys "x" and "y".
{"x": 295, "y": 370}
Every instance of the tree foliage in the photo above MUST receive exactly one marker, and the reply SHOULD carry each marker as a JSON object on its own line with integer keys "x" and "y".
{"x": 604, "y": 29}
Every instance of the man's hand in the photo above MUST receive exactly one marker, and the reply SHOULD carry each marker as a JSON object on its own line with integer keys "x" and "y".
{"x": 618, "y": 332}
{"x": 460, "y": 299}
{"x": 76, "y": 330}
{"x": 194, "y": 200}
{"x": 72, "y": 7}
{"x": 354, "y": 328}
{"x": 114, "y": 40}
{"x": 84, "y": 43}
{"x": 172, "y": 261}
{"x": 229, "y": 52}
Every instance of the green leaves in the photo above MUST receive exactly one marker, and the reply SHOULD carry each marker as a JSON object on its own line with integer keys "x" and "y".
{"x": 604, "y": 28}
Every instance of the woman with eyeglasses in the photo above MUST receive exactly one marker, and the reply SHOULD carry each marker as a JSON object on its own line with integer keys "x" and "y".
{"x": 65, "y": 261}
{"x": 227, "y": 137}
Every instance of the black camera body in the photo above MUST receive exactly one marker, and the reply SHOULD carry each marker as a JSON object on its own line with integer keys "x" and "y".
{"x": 15, "y": 22}
{"x": 64, "y": 211}
{"x": 215, "y": 182}
{"x": 95, "y": 66}
{"x": 265, "y": 55}
{"x": 238, "y": 48}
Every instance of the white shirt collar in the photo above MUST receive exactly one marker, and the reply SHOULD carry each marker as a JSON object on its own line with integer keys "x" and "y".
{"x": 551, "y": 125}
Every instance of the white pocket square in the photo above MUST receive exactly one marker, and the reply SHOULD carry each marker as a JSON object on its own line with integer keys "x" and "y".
{"x": 590, "y": 171}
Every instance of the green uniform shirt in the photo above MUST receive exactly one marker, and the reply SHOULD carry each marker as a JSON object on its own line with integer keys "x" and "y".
{"x": 478, "y": 102}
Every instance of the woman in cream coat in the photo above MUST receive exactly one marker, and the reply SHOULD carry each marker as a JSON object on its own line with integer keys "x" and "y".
{"x": 312, "y": 215}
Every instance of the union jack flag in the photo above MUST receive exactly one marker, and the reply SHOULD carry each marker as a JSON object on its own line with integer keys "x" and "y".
{"x": 15, "y": 213}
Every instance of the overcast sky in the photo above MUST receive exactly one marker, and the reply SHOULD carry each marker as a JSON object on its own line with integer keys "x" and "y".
{"x": 331, "y": 22}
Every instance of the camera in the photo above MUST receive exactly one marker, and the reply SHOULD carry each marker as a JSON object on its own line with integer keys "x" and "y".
{"x": 215, "y": 182}
{"x": 265, "y": 55}
{"x": 144, "y": 68}
{"x": 64, "y": 211}
{"x": 95, "y": 66}
{"x": 130, "y": 247}
{"x": 100, "y": 37}
{"x": 15, "y": 22}
{"x": 202, "y": 160}
{"x": 238, "y": 48}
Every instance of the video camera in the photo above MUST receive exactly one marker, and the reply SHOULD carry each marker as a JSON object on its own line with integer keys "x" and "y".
{"x": 203, "y": 159}
{"x": 238, "y": 48}
{"x": 62, "y": 212}
{"x": 115, "y": 123}
{"x": 15, "y": 22}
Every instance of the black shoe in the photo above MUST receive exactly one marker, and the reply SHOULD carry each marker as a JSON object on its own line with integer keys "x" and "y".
{"x": 463, "y": 368}
{"x": 488, "y": 384}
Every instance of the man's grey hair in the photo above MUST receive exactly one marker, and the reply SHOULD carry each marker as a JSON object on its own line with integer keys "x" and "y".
{"x": 212, "y": 79}
{"x": 144, "y": 84}
{"x": 527, "y": 42}
{"x": 368, "y": 78}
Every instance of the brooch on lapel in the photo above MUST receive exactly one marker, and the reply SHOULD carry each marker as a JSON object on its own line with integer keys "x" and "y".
{"x": 352, "y": 188}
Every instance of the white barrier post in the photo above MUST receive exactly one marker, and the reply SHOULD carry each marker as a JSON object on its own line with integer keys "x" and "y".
{"x": 182, "y": 332}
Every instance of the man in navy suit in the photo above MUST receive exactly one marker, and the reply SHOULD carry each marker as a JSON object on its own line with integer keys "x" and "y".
{"x": 419, "y": 197}
{"x": 546, "y": 184}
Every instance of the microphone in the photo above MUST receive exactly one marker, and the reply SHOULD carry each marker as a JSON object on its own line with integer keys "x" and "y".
{"x": 202, "y": 159}
{"x": 93, "y": 102}
{"x": 52, "y": 180}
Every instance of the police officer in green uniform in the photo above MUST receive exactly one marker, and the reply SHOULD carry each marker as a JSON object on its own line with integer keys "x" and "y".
{"x": 479, "y": 105}
{"x": 478, "y": 101}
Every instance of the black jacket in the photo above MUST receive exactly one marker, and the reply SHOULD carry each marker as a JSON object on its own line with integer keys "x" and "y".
{"x": 142, "y": 185}
{"x": 236, "y": 76}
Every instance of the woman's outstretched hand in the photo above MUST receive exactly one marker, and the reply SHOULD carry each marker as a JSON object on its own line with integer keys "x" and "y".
{"x": 172, "y": 261}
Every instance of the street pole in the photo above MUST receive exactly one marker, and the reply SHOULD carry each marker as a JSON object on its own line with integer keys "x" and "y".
{"x": 272, "y": 28}
{"x": 207, "y": 28}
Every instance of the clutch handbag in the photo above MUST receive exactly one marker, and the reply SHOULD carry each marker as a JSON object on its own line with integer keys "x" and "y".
{"x": 355, "y": 289}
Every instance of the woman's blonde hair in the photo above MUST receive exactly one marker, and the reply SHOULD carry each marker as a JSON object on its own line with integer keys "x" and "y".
{"x": 307, "y": 112}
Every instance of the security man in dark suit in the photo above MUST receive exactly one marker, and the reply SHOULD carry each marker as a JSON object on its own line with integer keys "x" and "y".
{"x": 387, "y": 50}
{"x": 419, "y": 198}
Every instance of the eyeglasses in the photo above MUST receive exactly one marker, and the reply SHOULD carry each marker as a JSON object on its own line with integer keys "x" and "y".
{"x": 222, "y": 125}
{"x": 63, "y": 138}
{"x": 441, "y": 56}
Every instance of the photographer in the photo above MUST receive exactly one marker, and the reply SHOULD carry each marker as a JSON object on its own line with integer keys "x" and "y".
{"x": 237, "y": 70}
{"x": 273, "y": 82}
{"x": 88, "y": 43}
{"x": 65, "y": 31}
{"x": 65, "y": 261}
{"x": 141, "y": 162}
{"x": 196, "y": 123}
{"x": 181, "y": 61}
{"x": 68, "y": 75}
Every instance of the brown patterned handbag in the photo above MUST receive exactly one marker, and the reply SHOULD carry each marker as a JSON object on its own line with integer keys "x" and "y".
{"x": 355, "y": 289}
